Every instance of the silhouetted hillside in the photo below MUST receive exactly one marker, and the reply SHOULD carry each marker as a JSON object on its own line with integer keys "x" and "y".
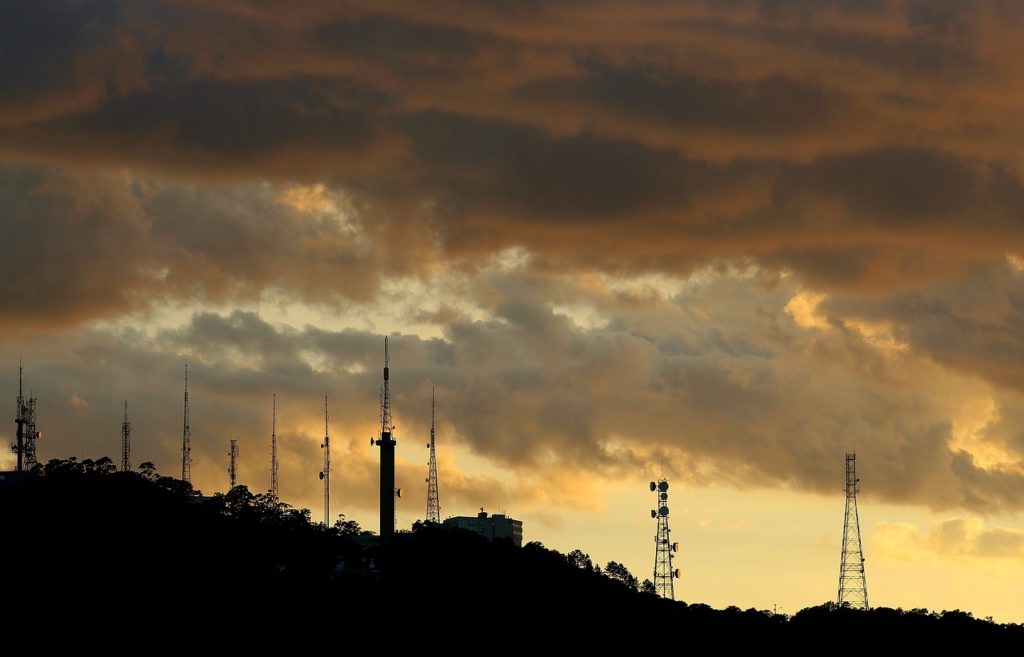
{"x": 86, "y": 546}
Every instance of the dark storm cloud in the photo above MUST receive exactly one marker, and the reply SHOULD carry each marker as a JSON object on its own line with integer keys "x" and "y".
{"x": 652, "y": 148}
{"x": 776, "y": 105}
{"x": 96, "y": 245}
{"x": 40, "y": 43}
{"x": 975, "y": 325}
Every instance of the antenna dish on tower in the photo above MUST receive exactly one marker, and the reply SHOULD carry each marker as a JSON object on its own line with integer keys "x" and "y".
{"x": 654, "y": 486}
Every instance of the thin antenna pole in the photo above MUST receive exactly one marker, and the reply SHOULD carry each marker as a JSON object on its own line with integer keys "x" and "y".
{"x": 273, "y": 449}
{"x": 186, "y": 439}
{"x": 233, "y": 462}
{"x": 325, "y": 474}
{"x": 126, "y": 441}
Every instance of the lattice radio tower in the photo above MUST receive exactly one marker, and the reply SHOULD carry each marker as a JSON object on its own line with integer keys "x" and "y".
{"x": 664, "y": 548}
{"x": 186, "y": 439}
{"x": 433, "y": 502}
{"x": 853, "y": 584}
{"x": 233, "y": 462}
{"x": 386, "y": 442}
{"x": 21, "y": 421}
{"x": 273, "y": 449}
{"x": 325, "y": 474}
{"x": 24, "y": 445}
{"x": 126, "y": 441}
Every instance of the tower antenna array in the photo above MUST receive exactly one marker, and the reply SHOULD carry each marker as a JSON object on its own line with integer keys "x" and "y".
{"x": 387, "y": 444}
{"x": 273, "y": 449}
{"x": 433, "y": 502}
{"x": 325, "y": 474}
{"x": 186, "y": 439}
{"x": 126, "y": 441}
{"x": 853, "y": 585}
{"x": 664, "y": 548}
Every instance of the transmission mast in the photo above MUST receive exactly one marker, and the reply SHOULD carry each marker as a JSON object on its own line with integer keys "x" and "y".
{"x": 387, "y": 455}
{"x": 433, "y": 502}
{"x": 273, "y": 450}
{"x": 20, "y": 419}
{"x": 126, "y": 441}
{"x": 233, "y": 462}
{"x": 664, "y": 548}
{"x": 186, "y": 439}
{"x": 325, "y": 474}
{"x": 853, "y": 585}
{"x": 24, "y": 445}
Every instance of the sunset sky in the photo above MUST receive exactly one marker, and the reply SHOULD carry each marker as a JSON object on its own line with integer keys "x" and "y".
{"x": 726, "y": 242}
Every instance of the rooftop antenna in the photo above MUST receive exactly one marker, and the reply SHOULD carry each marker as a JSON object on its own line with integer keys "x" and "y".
{"x": 273, "y": 449}
{"x": 433, "y": 502}
{"x": 325, "y": 474}
{"x": 387, "y": 455}
{"x": 126, "y": 441}
{"x": 853, "y": 585}
{"x": 664, "y": 549}
{"x": 233, "y": 462}
{"x": 186, "y": 439}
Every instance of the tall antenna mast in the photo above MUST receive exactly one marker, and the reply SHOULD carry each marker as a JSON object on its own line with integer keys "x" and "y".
{"x": 24, "y": 444}
{"x": 433, "y": 502}
{"x": 664, "y": 548}
{"x": 126, "y": 441}
{"x": 325, "y": 474}
{"x": 233, "y": 462}
{"x": 18, "y": 447}
{"x": 387, "y": 455}
{"x": 273, "y": 450}
{"x": 186, "y": 439}
{"x": 853, "y": 585}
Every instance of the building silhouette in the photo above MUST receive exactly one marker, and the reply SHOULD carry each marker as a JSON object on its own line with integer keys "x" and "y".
{"x": 496, "y": 526}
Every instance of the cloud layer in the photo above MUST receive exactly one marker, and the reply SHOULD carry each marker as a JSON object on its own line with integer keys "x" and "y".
{"x": 743, "y": 238}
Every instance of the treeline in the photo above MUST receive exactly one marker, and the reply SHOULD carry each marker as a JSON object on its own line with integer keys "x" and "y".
{"x": 83, "y": 543}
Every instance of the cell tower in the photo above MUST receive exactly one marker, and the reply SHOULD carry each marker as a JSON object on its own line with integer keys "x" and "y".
{"x": 126, "y": 441}
{"x": 186, "y": 439}
{"x": 233, "y": 462}
{"x": 325, "y": 474}
{"x": 273, "y": 449}
{"x": 433, "y": 503}
{"x": 853, "y": 584}
{"x": 24, "y": 445}
{"x": 664, "y": 548}
{"x": 387, "y": 456}
{"x": 18, "y": 447}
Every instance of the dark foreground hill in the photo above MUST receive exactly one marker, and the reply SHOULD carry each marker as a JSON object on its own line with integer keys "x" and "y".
{"x": 95, "y": 554}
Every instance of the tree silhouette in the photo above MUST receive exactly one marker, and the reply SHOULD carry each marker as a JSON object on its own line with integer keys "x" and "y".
{"x": 620, "y": 573}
